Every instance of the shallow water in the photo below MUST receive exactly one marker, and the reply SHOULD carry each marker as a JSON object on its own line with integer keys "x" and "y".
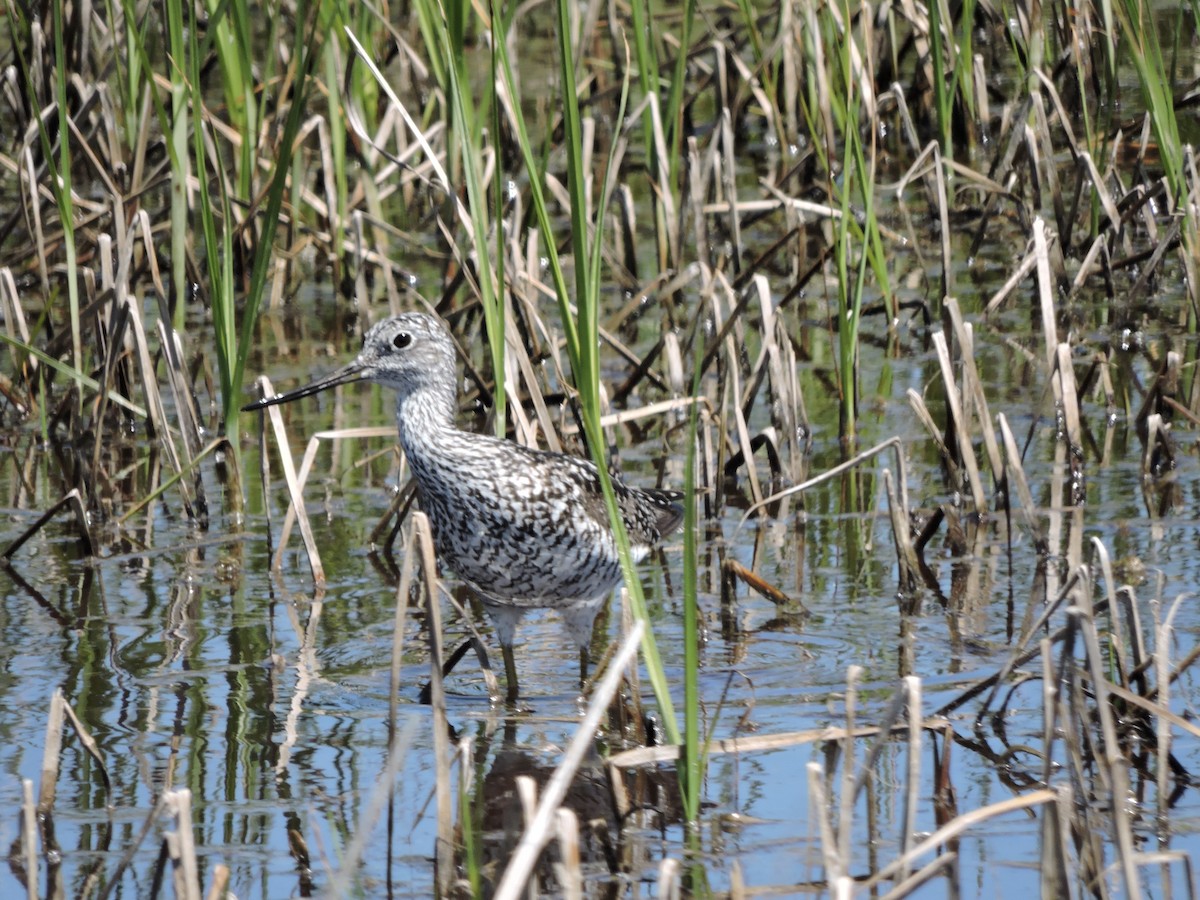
{"x": 193, "y": 667}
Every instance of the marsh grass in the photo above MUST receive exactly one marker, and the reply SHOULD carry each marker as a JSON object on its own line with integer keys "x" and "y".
{"x": 976, "y": 119}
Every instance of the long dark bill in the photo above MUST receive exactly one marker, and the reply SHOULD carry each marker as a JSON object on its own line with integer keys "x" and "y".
{"x": 348, "y": 374}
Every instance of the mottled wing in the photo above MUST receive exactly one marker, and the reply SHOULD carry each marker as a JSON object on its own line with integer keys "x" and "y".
{"x": 650, "y": 514}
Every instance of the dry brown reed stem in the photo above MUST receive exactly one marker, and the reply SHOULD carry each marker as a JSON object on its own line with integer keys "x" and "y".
{"x": 13, "y": 314}
{"x": 89, "y": 745}
{"x": 936, "y": 434}
{"x": 955, "y": 828}
{"x": 422, "y": 535}
{"x": 75, "y": 502}
{"x": 1157, "y": 708}
{"x": 912, "y": 785}
{"x": 1045, "y": 284}
{"x": 906, "y": 552}
{"x": 295, "y": 490}
{"x": 220, "y": 882}
{"x": 908, "y": 883}
{"x": 973, "y": 386}
{"x": 734, "y": 400}
{"x": 51, "y": 752}
{"x": 29, "y": 838}
{"x": 295, "y": 510}
{"x": 1163, "y": 632}
{"x": 569, "y": 871}
{"x": 155, "y": 409}
{"x": 835, "y": 866}
{"x": 670, "y": 880}
{"x": 537, "y": 833}
{"x": 943, "y": 208}
{"x": 732, "y": 568}
{"x": 1054, "y": 829}
{"x": 962, "y": 429}
{"x": 649, "y": 411}
{"x": 189, "y": 420}
{"x": 1113, "y": 763}
{"x": 847, "y": 794}
{"x": 646, "y": 756}
{"x": 893, "y": 443}
{"x": 1070, "y": 403}
{"x": 515, "y": 352}
{"x": 1005, "y": 290}
{"x": 777, "y": 361}
{"x": 399, "y": 622}
{"x": 923, "y": 157}
{"x": 1014, "y": 470}
{"x": 181, "y": 845}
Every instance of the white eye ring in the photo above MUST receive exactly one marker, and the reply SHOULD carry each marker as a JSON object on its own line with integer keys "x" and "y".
{"x": 402, "y": 340}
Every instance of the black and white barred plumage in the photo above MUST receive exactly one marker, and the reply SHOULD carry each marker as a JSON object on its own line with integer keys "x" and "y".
{"x": 524, "y": 528}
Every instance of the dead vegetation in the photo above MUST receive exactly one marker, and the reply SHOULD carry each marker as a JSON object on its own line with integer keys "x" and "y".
{"x": 833, "y": 191}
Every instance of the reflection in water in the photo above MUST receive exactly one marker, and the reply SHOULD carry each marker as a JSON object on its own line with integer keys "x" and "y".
{"x": 620, "y": 815}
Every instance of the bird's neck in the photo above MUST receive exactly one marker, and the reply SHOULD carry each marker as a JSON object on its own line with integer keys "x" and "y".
{"x": 423, "y": 414}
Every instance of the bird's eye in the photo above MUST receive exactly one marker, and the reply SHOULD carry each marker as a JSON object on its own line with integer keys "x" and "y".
{"x": 402, "y": 340}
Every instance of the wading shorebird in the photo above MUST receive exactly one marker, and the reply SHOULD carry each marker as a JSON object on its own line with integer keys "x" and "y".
{"x": 525, "y": 529}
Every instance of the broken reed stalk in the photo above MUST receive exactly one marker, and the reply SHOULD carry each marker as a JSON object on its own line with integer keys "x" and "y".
{"x": 733, "y": 401}
{"x": 51, "y": 752}
{"x": 537, "y": 833}
{"x": 819, "y": 807}
{"x": 955, "y": 828}
{"x": 1110, "y": 756}
{"x": 942, "y": 865}
{"x": 569, "y": 870}
{"x": 899, "y": 506}
{"x": 296, "y": 510}
{"x": 74, "y": 500}
{"x": 962, "y": 428}
{"x": 295, "y": 488}
{"x": 220, "y": 883}
{"x": 847, "y": 793}
{"x": 422, "y": 535}
{"x": 973, "y": 386}
{"x": 1163, "y": 631}
{"x": 1014, "y": 470}
{"x": 906, "y": 553}
{"x": 29, "y": 838}
{"x": 1053, "y": 829}
{"x": 399, "y": 623}
{"x": 838, "y": 849}
{"x": 670, "y": 881}
{"x": 912, "y": 783}
{"x": 893, "y": 443}
{"x": 181, "y": 846}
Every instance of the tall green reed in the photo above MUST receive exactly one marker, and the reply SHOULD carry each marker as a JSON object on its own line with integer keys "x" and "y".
{"x": 663, "y": 158}
{"x": 234, "y": 330}
{"x": 180, "y": 157}
{"x": 1140, "y": 36}
{"x": 583, "y": 343}
{"x": 231, "y": 35}
{"x": 836, "y": 118}
{"x": 444, "y": 28}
